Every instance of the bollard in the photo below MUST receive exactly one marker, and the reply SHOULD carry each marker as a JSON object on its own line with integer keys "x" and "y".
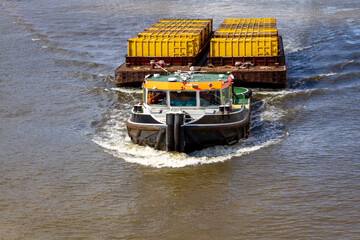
{"x": 170, "y": 132}
{"x": 175, "y": 132}
{"x": 226, "y": 109}
{"x": 179, "y": 132}
{"x": 222, "y": 109}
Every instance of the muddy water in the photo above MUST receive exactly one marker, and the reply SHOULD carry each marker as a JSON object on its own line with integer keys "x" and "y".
{"x": 68, "y": 169}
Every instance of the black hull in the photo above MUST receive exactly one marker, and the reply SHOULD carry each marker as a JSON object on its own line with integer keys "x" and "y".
{"x": 210, "y": 130}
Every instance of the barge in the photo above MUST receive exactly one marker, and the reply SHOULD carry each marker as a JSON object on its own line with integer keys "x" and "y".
{"x": 250, "y": 48}
{"x": 188, "y": 111}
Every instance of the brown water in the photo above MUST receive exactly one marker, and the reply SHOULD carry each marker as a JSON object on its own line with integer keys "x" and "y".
{"x": 69, "y": 171}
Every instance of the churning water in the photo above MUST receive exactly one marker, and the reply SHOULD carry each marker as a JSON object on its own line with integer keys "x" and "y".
{"x": 69, "y": 170}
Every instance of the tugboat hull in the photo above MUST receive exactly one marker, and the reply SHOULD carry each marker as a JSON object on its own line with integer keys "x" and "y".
{"x": 210, "y": 130}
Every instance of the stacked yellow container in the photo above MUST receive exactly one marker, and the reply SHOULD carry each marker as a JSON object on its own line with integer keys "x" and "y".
{"x": 171, "y": 38}
{"x": 205, "y": 24}
{"x": 245, "y": 37}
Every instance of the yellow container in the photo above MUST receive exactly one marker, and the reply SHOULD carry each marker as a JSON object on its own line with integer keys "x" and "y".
{"x": 189, "y": 28}
{"x": 205, "y": 33}
{"x": 138, "y": 47}
{"x": 186, "y": 21}
{"x": 245, "y": 34}
{"x": 244, "y": 47}
{"x": 171, "y": 25}
{"x": 185, "y": 26}
{"x": 197, "y": 37}
{"x": 190, "y": 21}
{"x": 248, "y": 20}
{"x": 173, "y": 28}
{"x": 247, "y": 30}
{"x": 171, "y": 38}
{"x": 245, "y": 37}
{"x": 248, "y": 25}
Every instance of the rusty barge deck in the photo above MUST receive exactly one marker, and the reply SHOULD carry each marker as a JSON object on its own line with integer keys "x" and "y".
{"x": 257, "y": 76}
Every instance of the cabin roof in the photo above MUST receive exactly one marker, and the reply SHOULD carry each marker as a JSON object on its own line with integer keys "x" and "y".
{"x": 196, "y": 81}
{"x": 195, "y": 77}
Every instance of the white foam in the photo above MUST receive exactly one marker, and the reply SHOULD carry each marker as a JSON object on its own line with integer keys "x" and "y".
{"x": 292, "y": 48}
{"x": 272, "y": 113}
{"x": 114, "y": 139}
{"x": 347, "y": 63}
{"x": 327, "y": 74}
{"x": 126, "y": 90}
{"x": 271, "y": 109}
{"x": 276, "y": 95}
{"x": 124, "y": 149}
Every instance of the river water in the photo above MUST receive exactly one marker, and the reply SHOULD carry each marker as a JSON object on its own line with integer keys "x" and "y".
{"x": 69, "y": 171}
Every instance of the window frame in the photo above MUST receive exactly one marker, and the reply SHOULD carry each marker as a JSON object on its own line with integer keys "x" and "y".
{"x": 181, "y": 91}
{"x": 146, "y": 97}
{"x": 146, "y": 92}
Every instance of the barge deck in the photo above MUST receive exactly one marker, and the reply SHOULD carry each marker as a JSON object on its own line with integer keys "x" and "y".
{"x": 257, "y": 76}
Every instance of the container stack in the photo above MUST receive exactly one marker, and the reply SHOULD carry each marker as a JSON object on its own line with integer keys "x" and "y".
{"x": 176, "y": 41}
{"x": 250, "y": 48}
{"x": 247, "y": 27}
{"x": 245, "y": 39}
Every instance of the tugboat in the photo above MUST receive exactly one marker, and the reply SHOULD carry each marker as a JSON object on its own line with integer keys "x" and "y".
{"x": 189, "y": 111}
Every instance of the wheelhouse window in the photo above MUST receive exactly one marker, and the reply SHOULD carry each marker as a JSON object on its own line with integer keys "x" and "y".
{"x": 182, "y": 98}
{"x": 210, "y": 98}
{"x": 156, "y": 97}
{"x": 225, "y": 92}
